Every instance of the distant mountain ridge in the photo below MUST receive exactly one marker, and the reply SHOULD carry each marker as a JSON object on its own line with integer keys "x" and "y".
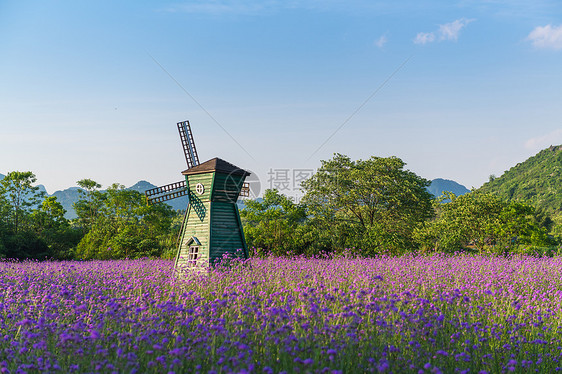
{"x": 439, "y": 185}
{"x": 69, "y": 196}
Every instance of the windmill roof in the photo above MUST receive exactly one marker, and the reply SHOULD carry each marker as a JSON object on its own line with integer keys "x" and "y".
{"x": 216, "y": 164}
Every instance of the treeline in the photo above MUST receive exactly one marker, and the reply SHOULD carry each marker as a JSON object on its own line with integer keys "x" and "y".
{"x": 111, "y": 224}
{"x": 375, "y": 206}
{"x": 366, "y": 207}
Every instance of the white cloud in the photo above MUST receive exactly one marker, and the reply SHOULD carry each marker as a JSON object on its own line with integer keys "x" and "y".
{"x": 380, "y": 42}
{"x": 447, "y": 31}
{"x": 450, "y": 31}
{"x": 547, "y": 37}
{"x": 543, "y": 141}
{"x": 424, "y": 37}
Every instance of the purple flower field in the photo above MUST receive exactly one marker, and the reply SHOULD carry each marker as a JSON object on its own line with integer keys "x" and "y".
{"x": 425, "y": 314}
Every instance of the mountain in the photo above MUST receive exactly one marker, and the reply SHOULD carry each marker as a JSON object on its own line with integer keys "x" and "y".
{"x": 42, "y": 189}
{"x": 438, "y": 186}
{"x": 142, "y": 186}
{"x": 67, "y": 198}
{"x": 538, "y": 181}
{"x": 71, "y": 195}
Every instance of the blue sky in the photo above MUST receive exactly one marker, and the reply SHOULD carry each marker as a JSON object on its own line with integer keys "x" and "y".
{"x": 457, "y": 89}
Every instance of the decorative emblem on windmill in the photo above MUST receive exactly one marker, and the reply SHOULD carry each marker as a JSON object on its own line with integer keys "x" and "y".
{"x": 211, "y": 227}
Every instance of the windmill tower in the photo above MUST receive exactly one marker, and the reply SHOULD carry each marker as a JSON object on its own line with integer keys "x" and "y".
{"x": 211, "y": 227}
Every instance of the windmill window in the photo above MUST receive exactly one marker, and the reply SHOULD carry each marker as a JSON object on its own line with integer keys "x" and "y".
{"x": 192, "y": 256}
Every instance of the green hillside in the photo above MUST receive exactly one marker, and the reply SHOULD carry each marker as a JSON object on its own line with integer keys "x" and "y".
{"x": 537, "y": 181}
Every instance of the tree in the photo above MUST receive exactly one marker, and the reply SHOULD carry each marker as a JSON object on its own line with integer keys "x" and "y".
{"x": 20, "y": 196}
{"x": 31, "y": 226}
{"x": 275, "y": 224}
{"x": 370, "y": 204}
{"x": 54, "y": 229}
{"x": 52, "y": 212}
{"x": 485, "y": 222}
{"x": 88, "y": 208}
{"x": 19, "y": 201}
{"x": 123, "y": 226}
{"x": 4, "y": 213}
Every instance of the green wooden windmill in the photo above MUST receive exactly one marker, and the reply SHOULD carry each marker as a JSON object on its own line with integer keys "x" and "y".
{"x": 211, "y": 227}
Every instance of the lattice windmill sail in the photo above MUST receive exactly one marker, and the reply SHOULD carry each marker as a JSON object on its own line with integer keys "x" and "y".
{"x": 188, "y": 144}
{"x": 177, "y": 189}
{"x": 211, "y": 226}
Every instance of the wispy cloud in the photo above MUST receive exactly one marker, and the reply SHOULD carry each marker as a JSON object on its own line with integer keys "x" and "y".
{"x": 546, "y": 37}
{"x": 424, "y": 38}
{"x": 450, "y": 31}
{"x": 447, "y": 31}
{"x": 543, "y": 141}
{"x": 380, "y": 42}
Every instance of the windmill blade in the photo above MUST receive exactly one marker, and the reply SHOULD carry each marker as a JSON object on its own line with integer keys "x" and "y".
{"x": 188, "y": 144}
{"x": 167, "y": 192}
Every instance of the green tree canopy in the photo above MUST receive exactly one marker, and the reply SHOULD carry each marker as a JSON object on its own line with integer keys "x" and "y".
{"x": 54, "y": 229}
{"x": 485, "y": 222}
{"x": 19, "y": 196}
{"x": 122, "y": 224}
{"x": 32, "y": 226}
{"x": 371, "y": 204}
{"x": 274, "y": 225}
{"x": 90, "y": 204}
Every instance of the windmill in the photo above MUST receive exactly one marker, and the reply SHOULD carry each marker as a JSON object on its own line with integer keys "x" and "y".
{"x": 211, "y": 227}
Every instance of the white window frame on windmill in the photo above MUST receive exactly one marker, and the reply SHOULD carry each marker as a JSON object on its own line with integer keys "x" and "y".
{"x": 193, "y": 255}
